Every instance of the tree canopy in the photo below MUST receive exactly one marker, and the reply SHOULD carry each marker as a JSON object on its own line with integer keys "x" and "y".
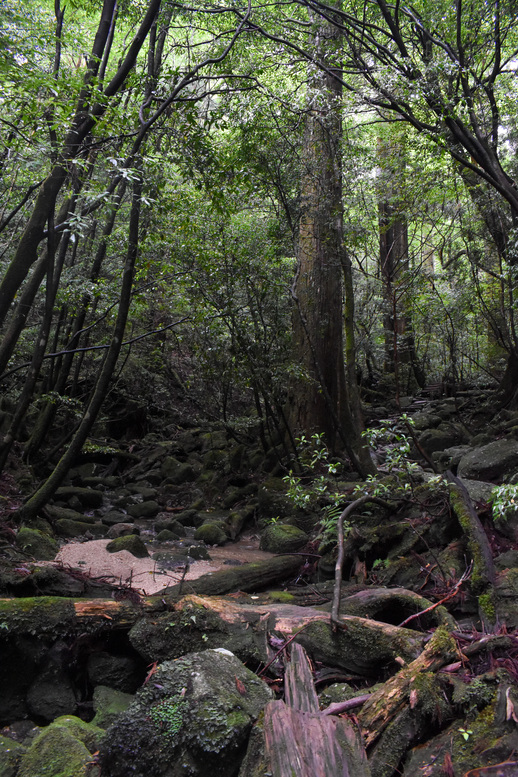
{"x": 220, "y": 155}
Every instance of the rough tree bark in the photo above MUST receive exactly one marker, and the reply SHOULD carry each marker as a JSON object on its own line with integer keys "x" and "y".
{"x": 323, "y": 399}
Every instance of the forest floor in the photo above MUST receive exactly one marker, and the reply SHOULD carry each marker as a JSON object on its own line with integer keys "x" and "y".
{"x": 412, "y": 638}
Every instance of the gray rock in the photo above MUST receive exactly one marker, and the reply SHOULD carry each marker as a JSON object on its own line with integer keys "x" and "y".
{"x": 194, "y": 718}
{"x": 114, "y": 516}
{"x": 118, "y": 672}
{"x": 144, "y": 509}
{"x": 478, "y": 490}
{"x": 51, "y": 694}
{"x": 490, "y": 462}
{"x": 121, "y": 530}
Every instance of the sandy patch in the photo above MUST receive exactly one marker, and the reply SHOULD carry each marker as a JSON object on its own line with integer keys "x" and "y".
{"x": 123, "y": 568}
{"x": 144, "y": 574}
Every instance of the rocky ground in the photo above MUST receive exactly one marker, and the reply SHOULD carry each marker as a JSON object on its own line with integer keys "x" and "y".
{"x": 416, "y": 648}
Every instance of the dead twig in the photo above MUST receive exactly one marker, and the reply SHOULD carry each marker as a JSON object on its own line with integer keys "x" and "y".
{"x": 340, "y": 559}
{"x": 454, "y": 591}
{"x": 263, "y": 670}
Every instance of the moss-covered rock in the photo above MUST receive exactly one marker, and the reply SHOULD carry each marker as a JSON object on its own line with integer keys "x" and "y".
{"x": 108, "y": 705}
{"x": 87, "y": 497}
{"x": 132, "y": 543}
{"x": 37, "y": 544}
{"x": 65, "y": 513}
{"x": 87, "y": 733}
{"x": 55, "y": 753}
{"x": 193, "y": 719}
{"x": 177, "y": 472}
{"x": 11, "y": 753}
{"x": 211, "y": 534}
{"x": 283, "y": 538}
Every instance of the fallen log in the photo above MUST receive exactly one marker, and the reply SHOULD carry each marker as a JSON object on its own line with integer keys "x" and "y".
{"x": 255, "y": 576}
{"x": 393, "y": 697}
{"x": 61, "y": 615}
{"x": 297, "y": 739}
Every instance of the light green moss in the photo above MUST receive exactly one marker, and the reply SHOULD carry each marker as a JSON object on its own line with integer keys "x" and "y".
{"x": 55, "y": 753}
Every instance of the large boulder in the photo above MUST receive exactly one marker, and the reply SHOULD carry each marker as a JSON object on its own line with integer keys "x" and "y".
{"x": 490, "y": 462}
{"x": 56, "y": 752}
{"x": 193, "y": 717}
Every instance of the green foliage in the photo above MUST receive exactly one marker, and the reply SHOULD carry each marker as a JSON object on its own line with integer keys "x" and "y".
{"x": 504, "y": 501}
{"x": 168, "y": 715}
{"x": 315, "y": 491}
{"x": 394, "y": 445}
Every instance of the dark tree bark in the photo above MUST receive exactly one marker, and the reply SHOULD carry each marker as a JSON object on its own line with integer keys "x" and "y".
{"x": 320, "y": 398}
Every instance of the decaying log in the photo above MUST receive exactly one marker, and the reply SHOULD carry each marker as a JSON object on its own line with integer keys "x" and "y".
{"x": 61, "y": 615}
{"x": 484, "y": 573}
{"x": 392, "y": 698}
{"x": 255, "y": 576}
{"x": 360, "y": 646}
{"x": 299, "y": 740}
{"x": 340, "y": 557}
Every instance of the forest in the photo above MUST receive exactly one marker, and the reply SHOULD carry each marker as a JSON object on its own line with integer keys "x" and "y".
{"x": 258, "y": 278}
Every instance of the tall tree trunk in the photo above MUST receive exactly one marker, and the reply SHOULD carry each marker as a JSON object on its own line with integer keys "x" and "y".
{"x": 320, "y": 397}
{"x": 394, "y": 262}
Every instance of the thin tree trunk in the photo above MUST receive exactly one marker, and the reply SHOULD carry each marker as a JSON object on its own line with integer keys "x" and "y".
{"x": 44, "y": 493}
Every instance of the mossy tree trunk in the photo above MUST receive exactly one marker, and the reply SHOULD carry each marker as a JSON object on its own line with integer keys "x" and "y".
{"x": 321, "y": 395}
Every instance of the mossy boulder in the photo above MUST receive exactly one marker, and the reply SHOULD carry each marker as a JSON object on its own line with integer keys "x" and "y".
{"x": 56, "y": 752}
{"x": 37, "y": 544}
{"x": 86, "y": 497}
{"x": 167, "y": 536}
{"x": 194, "y": 718}
{"x": 87, "y": 733}
{"x": 177, "y": 472}
{"x": 211, "y": 534}
{"x": 131, "y": 542}
{"x": 446, "y": 436}
{"x": 108, "y": 705}
{"x": 11, "y": 753}
{"x": 283, "y": 538}
{"x": 66, "y": 513}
